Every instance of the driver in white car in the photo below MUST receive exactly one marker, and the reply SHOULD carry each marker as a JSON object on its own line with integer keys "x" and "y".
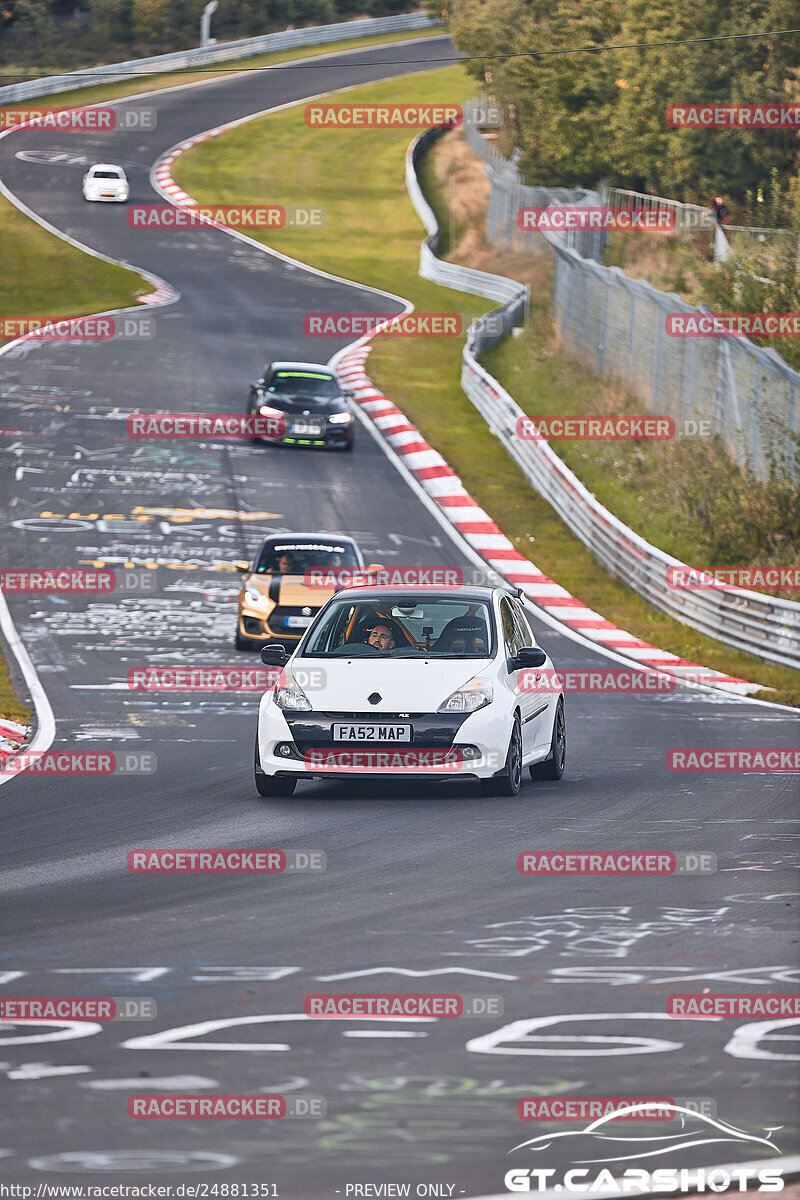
{"x": 381, "y": 637}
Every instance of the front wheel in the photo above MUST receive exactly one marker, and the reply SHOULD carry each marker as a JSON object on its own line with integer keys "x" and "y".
{"x": 271, "y": 785}
{"x": 509, "y": 781}
{"x": 553, "y": 765}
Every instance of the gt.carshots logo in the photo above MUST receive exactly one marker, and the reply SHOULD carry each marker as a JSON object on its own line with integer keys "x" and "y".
{"x": 636, "y": 1179}
{"x": 334, "y": 1004}
{"x": 212, "y": 425}
{"x": 560, "y": 218}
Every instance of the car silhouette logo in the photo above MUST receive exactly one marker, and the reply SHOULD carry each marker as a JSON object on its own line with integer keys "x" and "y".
{"x": 375, "y": 698}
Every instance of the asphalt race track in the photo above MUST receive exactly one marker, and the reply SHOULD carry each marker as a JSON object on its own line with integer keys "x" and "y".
{"x": 421, "y": 890}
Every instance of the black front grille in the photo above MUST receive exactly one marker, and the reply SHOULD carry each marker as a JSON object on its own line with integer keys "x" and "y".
{"x": 277, "y": 621}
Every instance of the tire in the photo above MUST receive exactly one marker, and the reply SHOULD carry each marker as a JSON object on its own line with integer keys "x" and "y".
{"x": 271, "y": 785}
{"x": 245, "y": 643}
{"x": 509, "y": 781}
{"x": 553, "y": 765}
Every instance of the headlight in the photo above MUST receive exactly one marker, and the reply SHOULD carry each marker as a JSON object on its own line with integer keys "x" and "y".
{"x": 292, "y": 698}
{"x": 341, "y": 418}
{"x": 469, "y": 698}
{"x": 266, "y": 411}
{"x": 256, "y": 598}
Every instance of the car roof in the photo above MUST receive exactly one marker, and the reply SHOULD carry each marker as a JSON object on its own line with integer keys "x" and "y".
{"x": 368, "y": 592}
{"x": 299, "y": 539}
{"x": 301, "y": 366}
{"x": 105, "y": 167}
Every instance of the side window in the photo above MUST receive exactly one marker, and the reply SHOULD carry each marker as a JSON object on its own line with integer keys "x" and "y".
{"x": 522, "y": 625}
{"x": 511, "y": 634}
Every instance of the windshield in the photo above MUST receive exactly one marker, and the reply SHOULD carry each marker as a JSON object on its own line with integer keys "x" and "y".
{"x": 295, "y": 558}
{"x": 106, "y": 174}
{"x": 318, "y": 384}
{"x": 408, "y": 627}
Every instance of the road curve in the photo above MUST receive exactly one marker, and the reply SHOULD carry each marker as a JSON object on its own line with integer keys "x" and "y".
{"x": 420, "y": 884}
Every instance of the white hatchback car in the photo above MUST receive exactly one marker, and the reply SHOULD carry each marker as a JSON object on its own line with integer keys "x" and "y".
{"x": 107, "y": 183}
{"x": 440, "y": 682}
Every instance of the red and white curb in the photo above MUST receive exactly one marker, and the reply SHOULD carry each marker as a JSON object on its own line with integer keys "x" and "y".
{"x": 478, "y": 529}
{"x": 445, "y": 488}
{"x": 12, "y": 737}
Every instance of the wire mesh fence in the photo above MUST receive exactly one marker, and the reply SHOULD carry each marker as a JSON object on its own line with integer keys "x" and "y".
{"x": 618, "y": 327}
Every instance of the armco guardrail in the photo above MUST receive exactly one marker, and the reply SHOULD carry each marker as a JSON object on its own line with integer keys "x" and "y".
{"x": 750, "y": 621}
{"x": 289, "y": 39}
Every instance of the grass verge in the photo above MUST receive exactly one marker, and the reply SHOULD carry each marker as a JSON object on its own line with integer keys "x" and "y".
{"x": 372, "y": 235}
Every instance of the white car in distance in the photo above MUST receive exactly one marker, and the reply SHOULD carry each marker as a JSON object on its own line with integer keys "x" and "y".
{"x": 439, "y": 673}
{"x": 106, "y": 183}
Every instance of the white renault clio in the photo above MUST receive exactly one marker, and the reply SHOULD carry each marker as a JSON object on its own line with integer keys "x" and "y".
{"x": 438, "y": 682}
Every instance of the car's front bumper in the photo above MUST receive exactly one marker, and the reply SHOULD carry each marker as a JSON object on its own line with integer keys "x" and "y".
{"x": 444, "y": 746}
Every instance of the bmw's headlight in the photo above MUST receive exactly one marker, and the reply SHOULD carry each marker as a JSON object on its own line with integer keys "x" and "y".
{"x": 265, "y": 411}
{"x": 468, "y": 699}
{"x": 292, "y": 698}
{"x": 342, "y": 418}
{"x": 256, "y": 598}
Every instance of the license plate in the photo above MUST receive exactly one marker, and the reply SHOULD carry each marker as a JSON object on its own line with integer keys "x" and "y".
{"x": 363, "y": 732}
{"x": 298, "y": 622}
{"x": 307, "y": 428}
{"x": 107, "y": 195}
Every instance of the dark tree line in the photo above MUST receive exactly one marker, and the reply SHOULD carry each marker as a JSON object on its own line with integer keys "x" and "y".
{"x": 68, "y": 33}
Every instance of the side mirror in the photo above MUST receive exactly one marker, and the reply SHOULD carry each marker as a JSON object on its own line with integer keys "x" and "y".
{"x": 373, "y": 568}
{"x": 274, "y": 655}
{"x": 242, "y": 566}
{"x": 529, "y": 656}
{"x": 349, "y": 394}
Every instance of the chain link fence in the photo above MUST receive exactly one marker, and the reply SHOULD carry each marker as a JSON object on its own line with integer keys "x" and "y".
{"x": 617, "y": 326}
